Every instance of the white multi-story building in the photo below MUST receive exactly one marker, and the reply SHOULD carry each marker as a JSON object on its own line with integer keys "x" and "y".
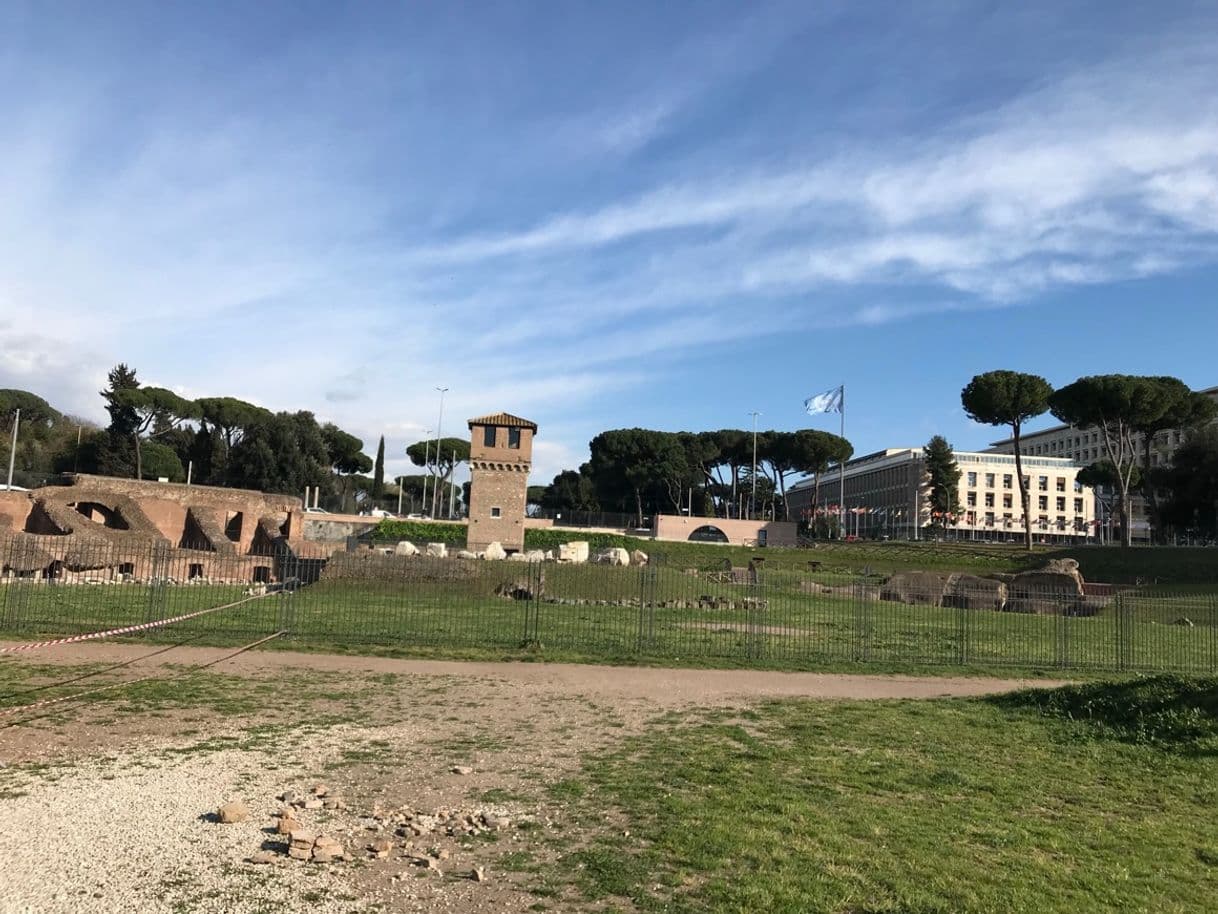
{"x": 888, "y": 494}
{"x": 1085, "y": 446}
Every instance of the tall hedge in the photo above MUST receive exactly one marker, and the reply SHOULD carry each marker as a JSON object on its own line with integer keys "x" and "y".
{"x": 420, "y": 531}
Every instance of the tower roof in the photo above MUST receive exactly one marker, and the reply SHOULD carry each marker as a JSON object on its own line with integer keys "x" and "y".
{"x": 503, "y": 419}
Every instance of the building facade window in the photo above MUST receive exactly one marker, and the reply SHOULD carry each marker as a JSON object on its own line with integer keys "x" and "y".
{"x": 514, "y": 438}
{"x": 488, "y": 436}
{"x": 989, "y": 499}
{"x": 1007, "y": 480}
{"x": 1061, "y": 504}
{"x": 1061, "y": 483}
{"x": 496, "y": 512}
{"x": 972, "y": 479}
{"x": 1078, "y": 506}
{"x": 1007, "y": 501}
{"x": 1042, "y": 483}
{"x": 1043, "y": 502}
{"x": 972, "y": 499}
{"x": 989, "y": 480}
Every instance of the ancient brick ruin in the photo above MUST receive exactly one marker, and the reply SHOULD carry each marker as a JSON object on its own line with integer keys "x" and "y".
{"x": 103, "y": 528}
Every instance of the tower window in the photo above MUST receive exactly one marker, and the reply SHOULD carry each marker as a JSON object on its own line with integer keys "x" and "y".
{"x": 488, "y": 436}
{"x": 514, "y": 438}
{"x": 496, "y": 512}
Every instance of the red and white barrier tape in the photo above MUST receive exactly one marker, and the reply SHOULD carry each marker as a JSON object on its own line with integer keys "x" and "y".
{"x": 144, "y": 626}
{"x": 5, "y": 712}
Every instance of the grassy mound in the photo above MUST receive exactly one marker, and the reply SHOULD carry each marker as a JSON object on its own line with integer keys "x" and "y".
{"x": 1166, "y": 711}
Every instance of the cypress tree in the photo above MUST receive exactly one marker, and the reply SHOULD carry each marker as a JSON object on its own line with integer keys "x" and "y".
{"x": 378, "y": 473}
{"x": 944, "y": 479}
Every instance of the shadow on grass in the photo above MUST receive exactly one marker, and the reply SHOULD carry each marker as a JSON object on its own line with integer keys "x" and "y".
{"x": 1175, "y": 713}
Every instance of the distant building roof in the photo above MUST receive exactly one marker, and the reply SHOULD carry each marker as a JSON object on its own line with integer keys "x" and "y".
{"x": 503, "y": 419}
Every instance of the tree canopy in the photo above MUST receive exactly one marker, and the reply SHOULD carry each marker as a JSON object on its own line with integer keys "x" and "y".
{"x": 1009, "y": 398}
{"x": 1118, "y": 405}
{"x": 36, "y": 412}
{"x": 943, "y": 476}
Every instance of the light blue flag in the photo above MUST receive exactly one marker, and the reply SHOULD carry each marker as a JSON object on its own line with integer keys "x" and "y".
{"x": 828, "y": 402}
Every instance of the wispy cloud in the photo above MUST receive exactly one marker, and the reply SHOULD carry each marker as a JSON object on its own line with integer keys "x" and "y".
{"x": 1108, "y": 175}
{"x": 322, "y": 256}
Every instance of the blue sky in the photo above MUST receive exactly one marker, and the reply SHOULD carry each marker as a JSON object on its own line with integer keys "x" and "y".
{"x": 606, "y": 214}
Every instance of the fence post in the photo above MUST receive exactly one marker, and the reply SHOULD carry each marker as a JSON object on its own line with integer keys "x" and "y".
{"x": 16, "y": 596}
{"x": 532, "y": 606}
{"x": 1124, "y": 631}
{"x": 647, "y": 609}
{"x": 1213, "y": 633}
{"x": 289, "y": 583}
{"x": 752, "y": 609}
{"x": 157, "y": 569}
{"x": 6, "y": 585}
{"x": 858, "y": 611}
{"x": 1059, "y": 634}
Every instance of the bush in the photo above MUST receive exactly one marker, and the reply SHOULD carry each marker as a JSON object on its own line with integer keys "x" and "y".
{"x": 419, "y": 531}
{"x": 544, "y": 538}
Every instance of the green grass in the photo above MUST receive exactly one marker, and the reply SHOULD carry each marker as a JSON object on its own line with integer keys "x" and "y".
{"x": 176, "y": 688}
{"x": 1108, "y": 564}
{"x": 1010, "y": 805}
{"x": 594, "y": 614}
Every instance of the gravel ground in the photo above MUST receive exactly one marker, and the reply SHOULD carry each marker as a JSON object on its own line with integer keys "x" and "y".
{"x": 131, "y": 834}
{"x": 110, "y": 814}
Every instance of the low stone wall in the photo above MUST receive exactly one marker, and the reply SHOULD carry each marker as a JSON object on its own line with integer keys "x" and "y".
{"x": 677, "y": 528}
{"x": 68, "y": 559}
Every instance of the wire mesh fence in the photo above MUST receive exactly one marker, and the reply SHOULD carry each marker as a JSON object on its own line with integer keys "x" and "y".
{"x": 656, "y": 611}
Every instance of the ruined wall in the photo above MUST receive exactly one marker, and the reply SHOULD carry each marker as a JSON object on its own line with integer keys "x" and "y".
{"x": 329, "y": 528}
{"x": 14, "y": 509}
{"x": 165, "y": 503}
{"x": 738, "y": 532}
{"x": 202, "y": 496}
{"x": 101, "y": 529}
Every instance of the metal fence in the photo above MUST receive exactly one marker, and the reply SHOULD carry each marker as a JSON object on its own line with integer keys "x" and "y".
{"x": 657, "y": 611}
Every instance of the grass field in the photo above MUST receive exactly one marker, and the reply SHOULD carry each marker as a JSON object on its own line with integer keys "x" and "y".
{"x": 1088, "y": 798}
{"x": 1092, "y": 798}
{"x": 1108, "y": 564}
{"x": 662, "y": 615}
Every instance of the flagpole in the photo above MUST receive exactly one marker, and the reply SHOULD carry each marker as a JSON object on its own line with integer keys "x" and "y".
{"x": 841, "y": 469}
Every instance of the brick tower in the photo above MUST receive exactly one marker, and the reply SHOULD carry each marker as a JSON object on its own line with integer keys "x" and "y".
{"x": 500, "y": 455}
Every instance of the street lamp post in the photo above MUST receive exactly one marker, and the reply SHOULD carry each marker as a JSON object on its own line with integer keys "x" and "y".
{"x": 439, "y": 436}
{"x": 753, "y": 495}
{"x": 426, "y": 461}
{"x": 12, "y": 454}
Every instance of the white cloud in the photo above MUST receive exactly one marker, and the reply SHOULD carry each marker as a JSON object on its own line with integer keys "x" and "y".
{"x": 1108, "y": 175}
{"x": 254, "y": 257}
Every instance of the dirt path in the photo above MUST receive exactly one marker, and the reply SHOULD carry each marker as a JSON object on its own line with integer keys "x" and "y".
{"x": 137, "y": 774}
{"x": 667, "y": 688}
